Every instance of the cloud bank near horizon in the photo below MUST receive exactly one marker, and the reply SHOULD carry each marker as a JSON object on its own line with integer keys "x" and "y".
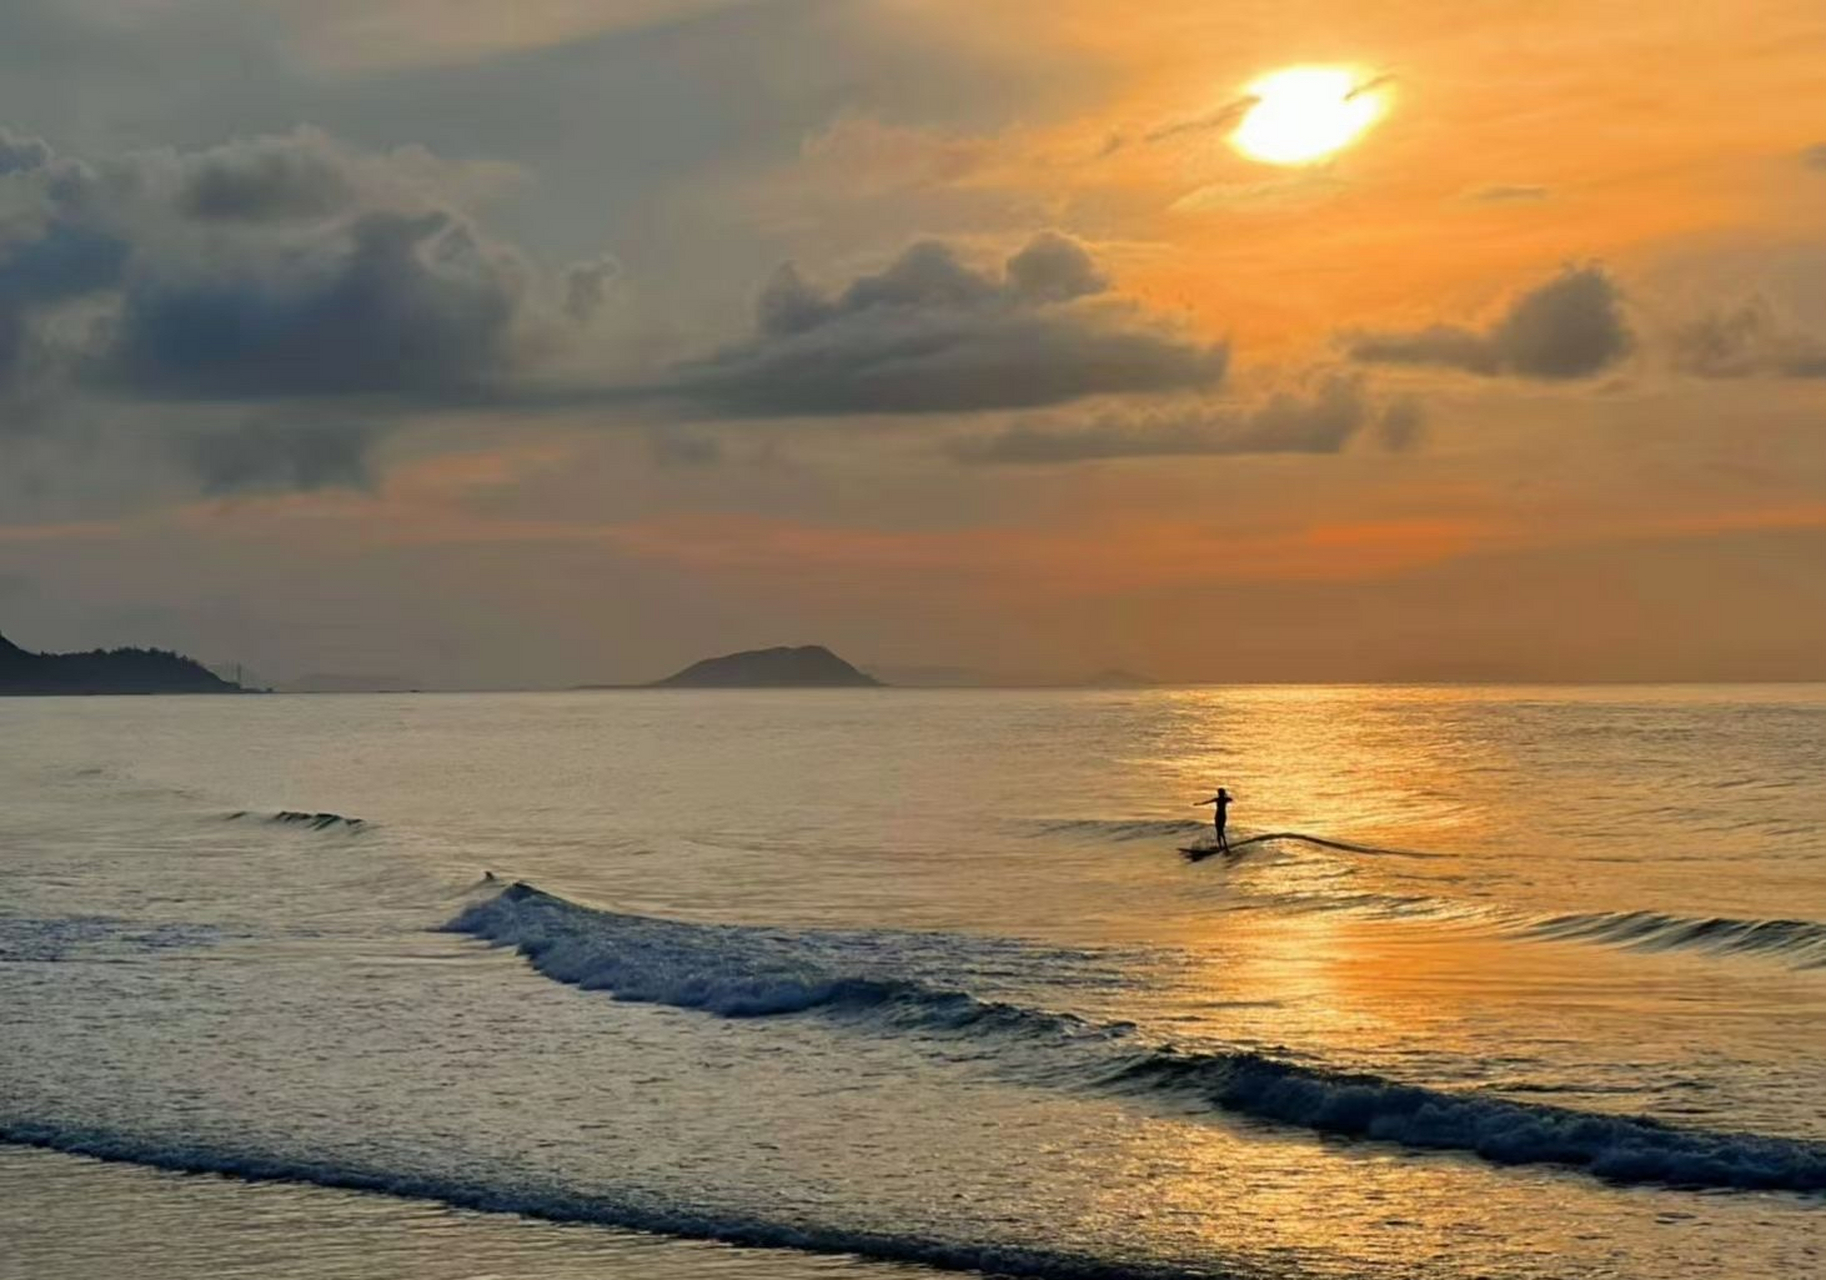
{"x": 1571, "y": 327}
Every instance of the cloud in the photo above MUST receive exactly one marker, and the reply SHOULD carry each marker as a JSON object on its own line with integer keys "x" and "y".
{"x": 1228, "y": 114}
{"x": 390, "y": 303}
{"x": 1746, "y": 340}
{"x": 1507, "y": 193}
{"x": 139, "y": 291}
{"x": 271, "y": 179}
{"x": 586, "y": 287}
{"x": 931, "y": 334}
{"x": 1320, "y": 422}
{"x": 267, "y": 456}
{"x": 18, "y": 154}
{"x": 1053, "y": 268}
{"x": 675, "y": 446}
{"x": 51, "y": 253}
{"x": 861, "y": 151}
{"x": 1276, "y": 195}
{"x": 1814, "y": 157}
{"x": 271, "y": 268}
{"x": 1403, "y": 424}
{"x": 383, "y": 34}
{"x": 1571, "y": 327}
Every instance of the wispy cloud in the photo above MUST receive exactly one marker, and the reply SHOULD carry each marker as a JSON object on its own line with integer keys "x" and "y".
{"x": 1319, "y": 421}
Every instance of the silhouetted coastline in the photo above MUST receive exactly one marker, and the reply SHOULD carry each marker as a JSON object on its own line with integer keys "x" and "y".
{"x": 104, "y": 671}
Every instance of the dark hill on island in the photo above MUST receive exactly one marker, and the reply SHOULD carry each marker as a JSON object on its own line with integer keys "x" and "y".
{"x": 810, "y": 666}
{"x": 105, "y": 671}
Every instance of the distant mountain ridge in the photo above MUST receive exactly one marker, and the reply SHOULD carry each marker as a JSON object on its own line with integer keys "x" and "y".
{"x": 105, "y": 671}
{"x": 809, "y": 666}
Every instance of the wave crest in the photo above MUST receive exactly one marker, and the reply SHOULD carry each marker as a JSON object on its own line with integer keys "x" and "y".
{"x": 1626, "y": 1149}
{"x": 728, "y": 970}
{"x": 298, "y": 818}
{"x": 735, "y": 971}
{"x": 1802, "y": 942}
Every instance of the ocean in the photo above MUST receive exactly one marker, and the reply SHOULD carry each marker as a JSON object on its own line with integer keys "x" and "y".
{"x": 1515, "y": 982}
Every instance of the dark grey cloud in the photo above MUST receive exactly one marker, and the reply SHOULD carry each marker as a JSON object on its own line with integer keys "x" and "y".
{"x": 1402, "y": 425}
{"x": 931, "y": 333}
{"x": 275, "y": 268}
{"x": 1054, "y": 268}
{"x": 1571, "y": 327}
{"x": 586, "y": 287}
{"x": 1746, "y": 340}
{"x": 267, "y": 179}
{"x": 390, "y": 304}
{"x": 67, "y": 262}
{"x": 20, "y": 153}
{"x": 51, "y": 253}
{"x": 279, "y": 272}
{"x": 281, "y": 455}
{"x": 1321, "y": 421}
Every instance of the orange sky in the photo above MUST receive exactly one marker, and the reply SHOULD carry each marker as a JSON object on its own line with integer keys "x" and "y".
{"x": 1643, "y": 462}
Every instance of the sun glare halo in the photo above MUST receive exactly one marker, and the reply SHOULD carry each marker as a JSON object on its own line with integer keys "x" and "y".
{"x": 1302, "y": 114}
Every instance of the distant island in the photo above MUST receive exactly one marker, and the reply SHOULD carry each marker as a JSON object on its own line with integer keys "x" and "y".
{"x": 809, "y": 666}
{"x": 105, "y": 671}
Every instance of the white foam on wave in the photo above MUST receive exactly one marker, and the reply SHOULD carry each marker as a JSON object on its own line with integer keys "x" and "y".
{"x": 736, "y": 971}
{"x": 732, "y": 971}
{"x": 1624, "y": 1149}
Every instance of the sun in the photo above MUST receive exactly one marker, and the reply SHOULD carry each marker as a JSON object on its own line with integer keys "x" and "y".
{"x": 1302, "y": 114}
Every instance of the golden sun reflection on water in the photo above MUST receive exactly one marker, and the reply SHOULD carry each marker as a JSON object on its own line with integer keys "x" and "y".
{"x": 1350, "y": 762}
{"x": 1326, "y": 1207}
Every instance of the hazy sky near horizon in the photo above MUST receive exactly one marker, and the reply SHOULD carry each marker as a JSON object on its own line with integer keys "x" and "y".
{"x": 572, "y": 340}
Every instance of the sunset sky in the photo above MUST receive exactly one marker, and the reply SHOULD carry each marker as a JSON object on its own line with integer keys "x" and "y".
{"x": 496, "y": 345}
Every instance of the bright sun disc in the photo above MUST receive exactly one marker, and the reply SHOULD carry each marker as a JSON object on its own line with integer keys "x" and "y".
{"x": 1304, "y": 114}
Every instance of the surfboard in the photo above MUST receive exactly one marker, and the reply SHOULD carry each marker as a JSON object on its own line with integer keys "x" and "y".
{"x": 1199, "y": 852}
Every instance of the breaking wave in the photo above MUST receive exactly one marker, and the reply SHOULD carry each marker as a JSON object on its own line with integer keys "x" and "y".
{"x": 1625, "y": 1149}
{"x": 740, "y": 972}
{"x": 733, "y": 971}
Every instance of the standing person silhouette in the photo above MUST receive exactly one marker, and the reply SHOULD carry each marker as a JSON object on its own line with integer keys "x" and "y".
{"x": 1219, "y": 816}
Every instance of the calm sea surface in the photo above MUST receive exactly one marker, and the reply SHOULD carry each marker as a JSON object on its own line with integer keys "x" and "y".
{"x": 1517, "y": 982}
